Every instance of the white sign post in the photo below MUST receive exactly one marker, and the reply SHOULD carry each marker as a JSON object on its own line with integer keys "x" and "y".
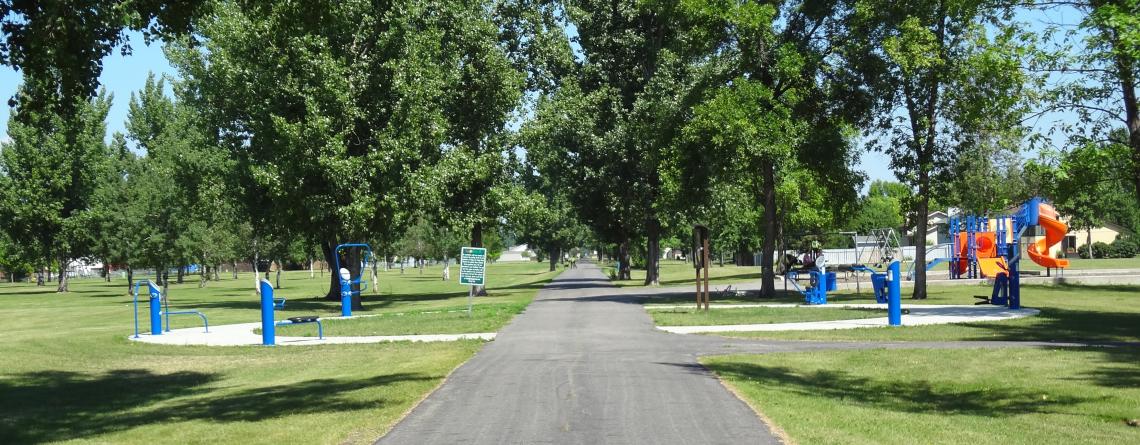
{"x": 472, "y": 267}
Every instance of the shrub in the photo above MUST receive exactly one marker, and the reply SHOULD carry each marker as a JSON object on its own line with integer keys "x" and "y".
{"x": 1099, "y": 250}
{"x": 1124, "y": 247}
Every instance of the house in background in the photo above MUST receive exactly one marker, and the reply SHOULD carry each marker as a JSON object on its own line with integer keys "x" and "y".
{"x": 517, "y": 253}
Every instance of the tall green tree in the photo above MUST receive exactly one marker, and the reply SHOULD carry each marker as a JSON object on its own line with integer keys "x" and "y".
{"x": 59, "y": 45}
{"x": 335, "y": 111}
{"x": 952, "y": 76}
{"x": 785, "y": 117}
{"x": 52, "y": 165}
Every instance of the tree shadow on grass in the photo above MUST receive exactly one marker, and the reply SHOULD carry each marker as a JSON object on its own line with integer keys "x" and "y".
{"x": 55, "y": 406}
{"x": 919, "y": 396}
{"x": 1120, "y": 368}
{"x": 1054, "y": 324}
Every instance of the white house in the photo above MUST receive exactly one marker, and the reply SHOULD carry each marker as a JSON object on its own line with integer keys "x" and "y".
{"x": 516, "y": 253}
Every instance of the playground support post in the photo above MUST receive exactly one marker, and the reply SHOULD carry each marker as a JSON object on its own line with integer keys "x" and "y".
{"x": 894, "y": 295}
{"x": 268, "y": 327}
{"x": 155, "y": 311}
{"x": 345, "y": 293}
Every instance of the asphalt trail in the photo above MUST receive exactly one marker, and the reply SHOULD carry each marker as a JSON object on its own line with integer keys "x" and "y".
{"x": 585, "y": 365}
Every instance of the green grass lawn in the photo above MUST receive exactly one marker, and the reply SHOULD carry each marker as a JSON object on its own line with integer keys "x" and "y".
{"x": 756, "y": 315}
{"x": 70, "y": 375}
{"x": 974, "y": 396}
{"x": 445, "y": 320}
{"x": 435, "y": 306}
{"x": 1068, "y": 312}
{"x": 676, "y": 273}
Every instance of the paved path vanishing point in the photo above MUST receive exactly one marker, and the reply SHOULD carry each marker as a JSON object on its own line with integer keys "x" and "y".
{"x": 584, "y": 365}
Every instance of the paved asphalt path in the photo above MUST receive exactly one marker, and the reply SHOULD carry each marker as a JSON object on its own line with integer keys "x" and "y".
{"x": 585, "y": 365}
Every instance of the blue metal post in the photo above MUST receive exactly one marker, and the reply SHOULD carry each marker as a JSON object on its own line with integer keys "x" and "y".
{"x": 345, "y": 294}
{"x": 894, "y": 300}
{"x": 155, "y": 309}
{"x": 268, "y": 331}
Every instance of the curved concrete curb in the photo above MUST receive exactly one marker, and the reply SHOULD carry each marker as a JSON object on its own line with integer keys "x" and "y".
{"x": 920, "y": 314}
{"x": 242, "y": 335}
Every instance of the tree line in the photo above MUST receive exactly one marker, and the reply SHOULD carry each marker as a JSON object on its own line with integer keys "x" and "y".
{"x": 566, "y": 123}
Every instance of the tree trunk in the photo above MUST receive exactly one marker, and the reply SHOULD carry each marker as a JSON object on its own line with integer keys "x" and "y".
{"x": 446, "y": 269}
{"x": 1088, "y": 243}
{"x": 62, "y": 275}
{"x": 553, "y": 257}
{"x": 312, "y": 274}
{"x": 623, "y": 257}
{"x": 278, "y": 277}
{"x": 216, "y": 277}
{"x": 1126, "y": 69}
{"x": 130, "y": 278}
{"x": 375, "y": 281}
{"x": 107, "y": 271}
{"x": 234, "y": 270}
{"x": 653, "y": 252}
{"x": 203, "y": 276}
{"x": 477, "y": 241}
{"x": 422, "y": 264}
{"x": 768, "y": 245}
{"x": 181, "y": 273}
{"x": 328, "y": 249}
{"x": 256, "y": 274}
{"x": 921, "y": 214}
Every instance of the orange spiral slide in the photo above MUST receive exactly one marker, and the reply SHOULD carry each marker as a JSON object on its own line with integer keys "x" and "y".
{"x": 1054, "y": 232}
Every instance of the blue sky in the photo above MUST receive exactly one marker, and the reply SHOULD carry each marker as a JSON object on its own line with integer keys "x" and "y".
{"x": 121, "y": 76}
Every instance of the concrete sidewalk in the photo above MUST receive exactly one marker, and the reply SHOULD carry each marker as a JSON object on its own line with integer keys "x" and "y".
{"x": 242, "y": 335}
{"x": 920, "y": 314}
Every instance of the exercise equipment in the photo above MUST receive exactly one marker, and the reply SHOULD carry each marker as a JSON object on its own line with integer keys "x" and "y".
{"x": 818, "y": 286}
{"x": 159, "y": 308}
{"x": 888, "y": 289}
{"x": 269, "y": 325}
{"x": 347, "y": 281}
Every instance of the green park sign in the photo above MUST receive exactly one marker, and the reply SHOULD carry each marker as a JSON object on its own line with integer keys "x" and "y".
{"x": 472, "y": 265}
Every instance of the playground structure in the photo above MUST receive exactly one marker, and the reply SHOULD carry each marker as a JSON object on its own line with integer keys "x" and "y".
{"x": 990, "y": 247}
{"x": 159, "y": 309}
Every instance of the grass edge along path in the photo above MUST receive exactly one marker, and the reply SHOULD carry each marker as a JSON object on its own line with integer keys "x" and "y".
{"x": 757, "y": 315}
{"x": 1083, "y": 313}
{"x": 1031, "y": 396}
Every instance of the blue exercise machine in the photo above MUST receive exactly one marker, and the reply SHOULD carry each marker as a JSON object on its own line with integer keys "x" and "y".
{"x": 159, "y": 308}
{"x": 346, "y": 278}
{"x": 818, "y": 286}
{"x": 888, "y": 289}
{"x": 269, "y": 325}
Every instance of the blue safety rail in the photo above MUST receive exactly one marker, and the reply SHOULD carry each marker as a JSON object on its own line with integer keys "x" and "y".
{"x": 205, "y": 322}
{"x": 159, "y": 309}
{"x": 135, "y": 294}
{"x": 320, "y": 328}
{"x": 346, "y": 283}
